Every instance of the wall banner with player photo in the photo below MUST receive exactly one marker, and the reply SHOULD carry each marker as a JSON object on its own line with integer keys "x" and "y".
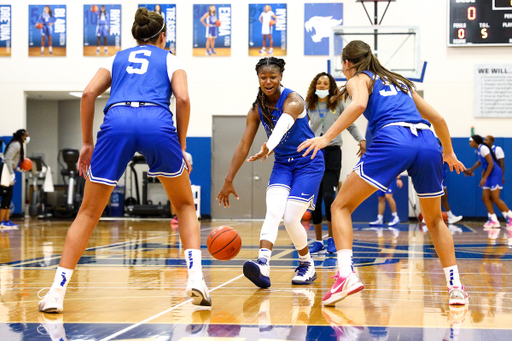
{"x": 168, "y": 12}
{"x": 212, "y": 30}
{"x": 5, "y": 30}
{"x": 267, "y": 29}
{"x": 318, "y": 20}
{"x": 102, "y": 30}
{"x": 47, "y": 26}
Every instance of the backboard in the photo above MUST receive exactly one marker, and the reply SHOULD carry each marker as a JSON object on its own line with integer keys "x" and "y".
{"x": 396, "y": 47}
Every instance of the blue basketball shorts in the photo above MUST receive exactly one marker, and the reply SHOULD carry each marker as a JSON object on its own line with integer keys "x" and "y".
{"x": 390, "y": 190}
{"x": 395, "y": 149}
{"x": 125, "y": 130}
{"x": 101, "y": 31}
{"x": 495, "y": 179}
{"x": 46, "y": 31}
{"x": 301, "y": 176}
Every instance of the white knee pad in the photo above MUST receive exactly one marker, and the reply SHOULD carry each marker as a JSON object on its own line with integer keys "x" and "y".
{"x": 292, "y": 216}
{"x": 276, "y": 204}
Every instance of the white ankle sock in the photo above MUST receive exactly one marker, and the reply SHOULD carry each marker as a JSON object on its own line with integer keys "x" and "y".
{"x": 451, "y": 274}
{"x": 345, "y": 267}
{"x": 449, "y": 214}
{"x": 62, "y": 277}
{"x": 493, "y": 217}
{"x": 395, "y": 214}
{"x": 380, "y": 217}
{"x": 306, "y": 258}
{"x": 265, "y": 253}
{"x": 193, "y": 258}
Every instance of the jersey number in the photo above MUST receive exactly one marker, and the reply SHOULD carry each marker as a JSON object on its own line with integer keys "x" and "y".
{"x": 144, "y": 63}
{"x": 392, "y": 91}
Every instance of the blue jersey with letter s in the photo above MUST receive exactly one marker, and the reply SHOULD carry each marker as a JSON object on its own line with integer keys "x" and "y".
{"x": 298, "y": 133}
{"x": 103, "y": 18}
{"x": 387, "y": 104}
{"x": 133, "y": 69}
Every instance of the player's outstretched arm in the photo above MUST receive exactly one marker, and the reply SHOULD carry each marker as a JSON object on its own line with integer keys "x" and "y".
{"x": 241, "y": 152}
{"x": 441, "y": 129}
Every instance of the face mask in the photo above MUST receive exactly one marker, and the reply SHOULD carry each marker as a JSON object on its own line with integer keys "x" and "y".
{"x": 27, "y": 140}
{"x": 322, "y": 93}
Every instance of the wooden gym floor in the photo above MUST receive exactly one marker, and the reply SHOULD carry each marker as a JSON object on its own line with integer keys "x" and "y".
{"x": 129, "y": 285}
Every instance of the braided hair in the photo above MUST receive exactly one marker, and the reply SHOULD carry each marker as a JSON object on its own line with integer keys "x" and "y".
{"x": 479, "y": 140}
{"x": 17, "y": 137}
{"x": 261, "y": 98}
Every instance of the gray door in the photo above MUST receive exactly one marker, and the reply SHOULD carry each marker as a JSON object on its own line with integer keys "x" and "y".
{"x": 252, "y": 178}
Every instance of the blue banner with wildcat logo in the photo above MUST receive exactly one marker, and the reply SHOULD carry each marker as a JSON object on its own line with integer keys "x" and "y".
{"x": 212, "y": 30}
{"x": 102, "y": 30}
{"x": 5, "y": 30}
{"x": 47, "y": 26}
{"x": 267, "y": 29}
{"x": 318, "y": 20}
{"x": 168, "y": 12}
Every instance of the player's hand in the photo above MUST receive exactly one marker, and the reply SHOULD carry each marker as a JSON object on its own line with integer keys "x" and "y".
{"x": 399, "y": 183}
{"x": 262, "y": 154}
{"x": 451, "y": 160}
{"x": 84, "y": 160}
{"x": 12, "y": 179}
{"x": 314, "y": 144}
{"x": 223, "y": 196}
{"x": 468, "y": 172}
{"x": 362, "y": 148}
{"x": 189, "y": 166}
{"x": 482, "y": 182}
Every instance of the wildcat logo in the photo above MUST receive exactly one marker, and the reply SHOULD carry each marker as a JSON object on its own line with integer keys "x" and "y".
{"x": 322, "y": 27}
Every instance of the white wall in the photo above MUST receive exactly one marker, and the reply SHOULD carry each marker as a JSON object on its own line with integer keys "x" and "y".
{"x": 227, "y": 85}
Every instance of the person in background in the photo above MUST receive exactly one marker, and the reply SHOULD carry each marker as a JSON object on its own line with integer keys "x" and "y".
{"x": 14, "y": 153}
{"x": 491, "y": 181}
{"x": 498, "y": 151}
{"x": 388, "y": 195}
{"x": 324, "y": 110}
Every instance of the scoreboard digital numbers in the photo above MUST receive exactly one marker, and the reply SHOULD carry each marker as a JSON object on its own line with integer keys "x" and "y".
{"x": 480, "y": 22}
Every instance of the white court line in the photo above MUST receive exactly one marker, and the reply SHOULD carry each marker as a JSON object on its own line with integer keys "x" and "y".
{"x": 163, "y": 312}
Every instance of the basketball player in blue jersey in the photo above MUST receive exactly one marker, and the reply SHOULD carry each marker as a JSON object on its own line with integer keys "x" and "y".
{"x": 400, "y": 120}
{"x": 137, "y": 119}
{"x": 209, "y": 20}
{"x": 102, "y": 29}
{"x": 294, "y": 181}
{"x": 46, "y": 18}
{"x": 491, "y": 182}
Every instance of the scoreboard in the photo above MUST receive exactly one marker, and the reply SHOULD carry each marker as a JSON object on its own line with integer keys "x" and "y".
{"x": 480, "y": 22}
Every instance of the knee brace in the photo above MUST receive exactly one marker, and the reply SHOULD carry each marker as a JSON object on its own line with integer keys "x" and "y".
{"x": 292, "y": 216}
{"x": 276, "y": 204}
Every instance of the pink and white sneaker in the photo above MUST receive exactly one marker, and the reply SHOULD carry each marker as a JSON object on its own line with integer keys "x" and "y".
{"x": 458, "y": 295}
{"x": 342, "y": 287}
{"x": 509, "y": 223}
{"x": 491, "y": 224}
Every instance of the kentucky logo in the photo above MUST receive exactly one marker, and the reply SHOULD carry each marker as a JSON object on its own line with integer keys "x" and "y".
{"x": 322, "y": 27}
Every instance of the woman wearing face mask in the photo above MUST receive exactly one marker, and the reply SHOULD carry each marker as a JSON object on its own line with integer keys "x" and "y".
{"x": 324, "y": 110}
{"x": 14, "y": 153}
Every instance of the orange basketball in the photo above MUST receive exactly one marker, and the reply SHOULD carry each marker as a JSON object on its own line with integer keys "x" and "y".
{"x": 272, "y": 22}
{"x": 224, "y": 243}
{"x": 307, "y": 215}
{"x": 26, "y": 164}
{"x": 94, "y": 8}
{"x": 218, "y": 23}
{"x": 39, "y": 25}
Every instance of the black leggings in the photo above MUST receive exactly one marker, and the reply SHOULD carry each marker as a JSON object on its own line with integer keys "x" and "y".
{"x": 329, "y": 184}
{"x": 6, "y": 193}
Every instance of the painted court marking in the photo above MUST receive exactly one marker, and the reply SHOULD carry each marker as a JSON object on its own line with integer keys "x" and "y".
{"x": 163, "y": 312}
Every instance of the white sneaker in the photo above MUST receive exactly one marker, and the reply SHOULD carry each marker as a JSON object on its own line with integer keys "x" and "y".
{"x": 395, "y": 221}
{"x": 198, "y": 291}
{"x": 53, "y": 301}
{"x": 305, "y": 273}
{"x": 454, "y": 219}
{"x": 376, "y": 222}
{"x": 270, "y": 51}
{"x": 258, "y": 272}
{"x": 491, "y": 224}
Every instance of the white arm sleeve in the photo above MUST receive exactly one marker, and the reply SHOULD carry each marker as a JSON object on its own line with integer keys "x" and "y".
{"x": 284, "y": 124}
{"x": 108, "y": 64}
{"x": 484, "y": 151}
{"x": 173, "y": 64}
